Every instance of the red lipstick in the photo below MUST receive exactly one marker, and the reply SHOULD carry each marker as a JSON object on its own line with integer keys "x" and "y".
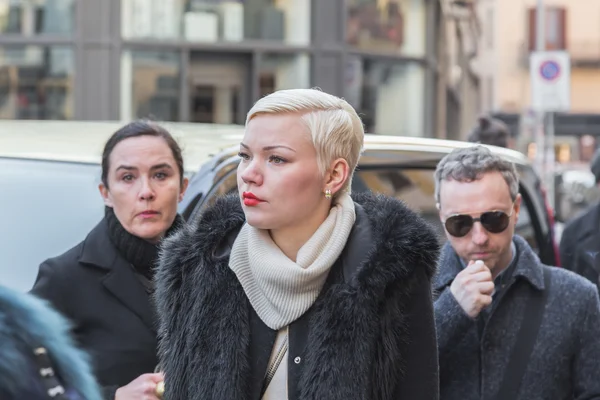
{"x": 250, "y": 199}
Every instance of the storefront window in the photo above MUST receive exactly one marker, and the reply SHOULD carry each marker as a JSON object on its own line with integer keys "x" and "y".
{"x": 219, "y": 87}
{"x": 277, "y": 72}
{"x": 389, "y": 97}
{"x": 150, "y": 85}
{"x": 36, "y": 17}
{"x": 217, "y": 20}
{"x": 394, "y": 26}
{"x": 36, "y": 82}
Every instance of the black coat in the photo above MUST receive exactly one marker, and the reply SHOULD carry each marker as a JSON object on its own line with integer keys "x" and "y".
{"x": 580, "y": 245}
{"x": 370, "y": 334}
{"x": 97, "y": 289}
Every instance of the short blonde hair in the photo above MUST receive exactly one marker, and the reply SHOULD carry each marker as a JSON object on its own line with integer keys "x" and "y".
{"x": 335, "y": 127}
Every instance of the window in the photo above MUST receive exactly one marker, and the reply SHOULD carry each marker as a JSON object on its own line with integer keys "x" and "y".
{"x": 213, "y": 21}
{"x": 396, "y": 26}
{"x": 282, "y": 71}
{"x": 36, "y": 17}
{"x": 389, "y": 97}
{"x": 36, "y": 82}
{"x": 554, "y": 27}
{"x": 150, "y": 85}
{"x": 219, "y": 87}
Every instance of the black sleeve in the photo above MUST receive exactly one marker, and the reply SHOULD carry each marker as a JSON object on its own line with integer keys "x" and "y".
{"x": 421, "y": 372}
{"x": 52, "y": 285}
{"x": 109, "y": 392}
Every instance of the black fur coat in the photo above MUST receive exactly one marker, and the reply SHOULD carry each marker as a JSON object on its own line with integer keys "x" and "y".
{"x": 370, "y": 335}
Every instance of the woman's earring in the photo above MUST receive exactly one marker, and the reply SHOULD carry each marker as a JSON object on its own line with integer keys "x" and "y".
{"x": 327, "y": 193}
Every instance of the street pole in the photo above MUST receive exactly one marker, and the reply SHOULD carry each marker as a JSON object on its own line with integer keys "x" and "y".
{"x": 545, "y": 142}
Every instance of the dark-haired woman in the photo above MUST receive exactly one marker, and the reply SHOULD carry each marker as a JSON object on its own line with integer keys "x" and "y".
{"x": 104, "y": 284}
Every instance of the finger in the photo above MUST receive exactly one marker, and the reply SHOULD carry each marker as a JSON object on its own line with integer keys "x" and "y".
{"x": 485, "y": 300}
{"x": 486, "y": 288}
{"x": 476, "y": 266}
{"x": 483, "y": 276}
{"x": 156, "y": 377}
{"x": 149, "y": 388}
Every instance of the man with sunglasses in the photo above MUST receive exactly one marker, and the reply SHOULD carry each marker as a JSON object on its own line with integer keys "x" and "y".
{"x": 508, "y": 327}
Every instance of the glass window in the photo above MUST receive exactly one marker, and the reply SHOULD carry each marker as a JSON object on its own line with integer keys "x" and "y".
{"x": 36, "y": 17}
{"x": 217, "y": 20}
{"x": 395, "y": 26}
{"x": 277, "y": 72}
{"x": 219, "y": 87}
{"x": 389, "y": 97}
{"x": 150, "y": 85}
{"x": 36, "y": 82}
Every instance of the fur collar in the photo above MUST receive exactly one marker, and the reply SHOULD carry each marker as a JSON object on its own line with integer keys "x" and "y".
{"x": 204, "y": 311}
{"x": 27, "y": 322}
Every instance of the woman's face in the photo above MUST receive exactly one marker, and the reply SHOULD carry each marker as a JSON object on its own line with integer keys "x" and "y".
{"x": 144, "y": 186}
{"x": 279, "y": 181}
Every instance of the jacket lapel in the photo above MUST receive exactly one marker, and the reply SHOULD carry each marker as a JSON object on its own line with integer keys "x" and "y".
{"x": 261, "y": 347}
{"x": 122, "y": 283}
{"x": 120, "y": 280}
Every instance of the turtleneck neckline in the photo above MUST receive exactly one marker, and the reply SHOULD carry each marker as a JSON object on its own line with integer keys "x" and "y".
{"x": 140, "y": 253}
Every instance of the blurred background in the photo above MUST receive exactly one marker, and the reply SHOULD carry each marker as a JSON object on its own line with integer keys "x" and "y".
{"x": 421, "y": 68}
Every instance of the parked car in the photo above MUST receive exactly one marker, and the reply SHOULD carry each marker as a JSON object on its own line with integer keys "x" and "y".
{"x": 50, "y": 171}
{"x": 402, "y": 167}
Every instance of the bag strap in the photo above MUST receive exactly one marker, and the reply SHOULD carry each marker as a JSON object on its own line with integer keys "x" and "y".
{"x": 274, "y": 365}
{"x": 46, "y": 372}
{"x": 521, "y": 352}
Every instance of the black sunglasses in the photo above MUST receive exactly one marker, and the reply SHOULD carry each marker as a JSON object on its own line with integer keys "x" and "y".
{"x": 493, "y": 221}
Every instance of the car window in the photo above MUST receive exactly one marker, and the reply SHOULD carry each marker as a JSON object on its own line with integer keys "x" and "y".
{"x": 45, "y": 208}
{"x": 414, "y": 186}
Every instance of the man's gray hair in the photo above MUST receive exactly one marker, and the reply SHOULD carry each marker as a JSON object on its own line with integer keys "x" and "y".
{"x": 470, "y": 163}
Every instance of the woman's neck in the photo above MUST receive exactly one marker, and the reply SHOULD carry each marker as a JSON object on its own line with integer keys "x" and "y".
{"x": 291, "y": 239}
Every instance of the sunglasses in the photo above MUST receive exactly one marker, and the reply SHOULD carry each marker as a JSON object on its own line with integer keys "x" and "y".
{"x": 493, "y": 221}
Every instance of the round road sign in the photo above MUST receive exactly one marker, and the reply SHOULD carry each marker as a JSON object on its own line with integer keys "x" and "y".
{"x": 550, "y": 70}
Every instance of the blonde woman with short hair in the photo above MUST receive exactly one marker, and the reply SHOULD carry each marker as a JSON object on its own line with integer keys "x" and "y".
{"x": 294, "y": 289}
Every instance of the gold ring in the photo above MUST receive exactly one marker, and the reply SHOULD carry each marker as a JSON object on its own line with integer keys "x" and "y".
{"x": 160, "y": 389}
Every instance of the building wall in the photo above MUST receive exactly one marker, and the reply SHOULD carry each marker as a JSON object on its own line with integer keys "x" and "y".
{"x": 206, "y": 61}
{"x": 505, "y": 63}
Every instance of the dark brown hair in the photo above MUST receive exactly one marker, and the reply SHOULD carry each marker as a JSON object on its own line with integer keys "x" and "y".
{"x": 136, "y": 129}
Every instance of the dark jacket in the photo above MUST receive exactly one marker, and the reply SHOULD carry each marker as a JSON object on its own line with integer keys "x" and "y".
{"x": 580, "y": 245}
{"x": 565, "y": 361}
{"x": 27, "y": 324}
{"x": 111, "y": 313}
{"x": 369, "y": 335}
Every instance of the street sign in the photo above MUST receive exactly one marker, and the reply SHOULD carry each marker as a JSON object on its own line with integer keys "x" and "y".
{"x": 550, "y": 73}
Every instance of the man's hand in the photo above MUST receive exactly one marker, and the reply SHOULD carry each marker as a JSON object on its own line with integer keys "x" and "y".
{"x": 473, "y": 287}
{"x": 141, "y": 388}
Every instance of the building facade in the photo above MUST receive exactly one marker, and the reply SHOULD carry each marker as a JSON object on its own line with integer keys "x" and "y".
{"x": 509, "y": 36}
{"x": 209, "y": 60}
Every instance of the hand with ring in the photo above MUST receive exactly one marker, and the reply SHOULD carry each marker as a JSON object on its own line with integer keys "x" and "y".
{"x": 147, "y": 386}
{"x": 160, "y": 389}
